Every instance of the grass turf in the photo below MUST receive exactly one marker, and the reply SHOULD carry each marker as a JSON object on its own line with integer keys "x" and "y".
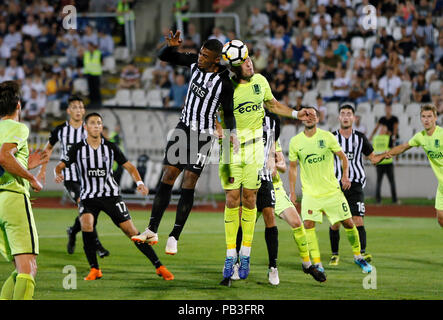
{"x": 407, "y": 256}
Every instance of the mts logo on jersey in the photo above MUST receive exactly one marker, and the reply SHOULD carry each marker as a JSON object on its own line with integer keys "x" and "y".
{"x": 314, "y": 158}
{"x": 96, "y": 173}
{"x": 250, "y": 107}
{"x": 198, "y": 90}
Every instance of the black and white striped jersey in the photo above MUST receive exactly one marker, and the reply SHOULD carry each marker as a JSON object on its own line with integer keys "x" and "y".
{"x": 271, "y": 132}
{"x": 354, "y": 147}
{"x": 207, "y": 92}
{"x": 67, "y": 136}
{"x": 95, "y": 168}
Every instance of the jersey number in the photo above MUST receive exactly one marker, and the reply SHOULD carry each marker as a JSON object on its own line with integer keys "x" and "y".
{"x": 201, "y": 158}
{"x": 361, "y": 207}
{"x": 121, "y": 206}
{"x": 345, "y": 206}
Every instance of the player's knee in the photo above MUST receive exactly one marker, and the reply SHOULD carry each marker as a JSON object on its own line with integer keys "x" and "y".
{"x": 348, "y": 224}
{"x": 269, "y": 218}
{"x": 309, "y": 224}
{"x": 169, "y": 175}
{"x": 190, "y": 180}
{"x": 249, "y": 199}
{"x": 232, "y": 200}
{"x": 335, "y": 226}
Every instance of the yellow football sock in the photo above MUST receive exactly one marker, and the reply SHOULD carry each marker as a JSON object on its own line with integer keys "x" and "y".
{"x": 313, "y": 247}
{"x": 231, "y": 226}
{"x": 248, "y": 225}
{"x": 354, "y": 240}
{"x": 8, "y": 287}
{"x": 302, "y": 243}
{"x": 24, "y": 287}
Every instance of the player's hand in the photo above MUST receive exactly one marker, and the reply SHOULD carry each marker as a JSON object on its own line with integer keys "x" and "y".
{"x": 36, "y": 158}
{"x": 235, "y": 142}
{"x": 293, "y": 198}
{"x": 173, "y": 40}
{"x": 143, "y": 190}
{"x": 41, "y": 176}
{"x": 345, "y": 183}
{"x": 306, "y": 114}
{"x": 59, "y": 178}
{"x": 35, "y": 184}
{"x": 219, "y": 130}
{"x": 274, "y": 172}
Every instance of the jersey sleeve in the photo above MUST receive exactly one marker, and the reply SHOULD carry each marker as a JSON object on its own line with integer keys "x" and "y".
{"x": 267, "y": 88}
{"x": 53, "y": 136}
{"x": 171, "y": 55}
{"x": 227, "y": 103}
{"x": 333, "y": 143}
{"x": 415, "y": 141}
{"x": 17, "y": 135}
{"x": 367, "y": 148}
{"x": 71, "y": 155}
{"x": 293, "y": 154}
{"x": 119, "y": 156}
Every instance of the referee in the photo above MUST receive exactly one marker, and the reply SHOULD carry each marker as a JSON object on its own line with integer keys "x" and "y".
{"x": 354, "y": 144}
{"x": 68, "y": 134}
{"x": 94, "y": 157}
{"x": 209, "y": 89}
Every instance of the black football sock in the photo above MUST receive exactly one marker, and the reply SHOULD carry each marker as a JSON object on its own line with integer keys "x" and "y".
{"x": 334, "y": 236}
{"x": 89, "y": 246}
{"x": 98, "y": 244}
{"x": 161, "y": 202}
{"x": 271, "y": 237}
{"x": 76, "y": 227}
{"x": 149, "y": 252}
{"x": 362, "y": 235}
{"x": 183, "y": 209}
{"x": 239, "y": 240}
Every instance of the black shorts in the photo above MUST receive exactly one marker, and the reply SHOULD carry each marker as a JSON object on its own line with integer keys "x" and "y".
{"x": 187, "y": 149}
{"x": 114, "y": 207}
{"x": 73, "y": 189}
{"x": 265, "y": 196}
{"x": 356, "y": 199}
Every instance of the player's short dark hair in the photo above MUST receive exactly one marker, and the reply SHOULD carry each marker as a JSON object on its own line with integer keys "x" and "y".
{"x": 346, "y": 106}
{"x": 429, "y": 107}
{"x": 75, "y": 97}
{"x": 9, "y": 97}
{"x": 93, "y": 114}
{"x": 213, "y": 45}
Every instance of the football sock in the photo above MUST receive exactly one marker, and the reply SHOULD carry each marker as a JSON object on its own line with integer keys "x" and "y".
{"x": 248, "y": 225}
{"x": 161, "y": 202}
{"x": 354, "y": 240}
{"x": 183, "y": 209}
{"x": 231, "y": 227}
{"x": 149, "y": 252}
{"x": 24, "y": 287}
{"x": 362, "y": 235}
{"x": 89, "y": 246}
{"x": 314, "y": 251}
{"x": 76, "y": 228}
{"x": 302, "y": 244}
{"x": 271, "y": 238}
{"x": 334, "y": 237}
{"x": 7, "y": 292}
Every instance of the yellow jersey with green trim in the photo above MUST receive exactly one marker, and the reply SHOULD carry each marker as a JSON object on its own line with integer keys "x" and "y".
{"x": 316, "y": 159}
{"x": 15, "y": 132}
{"x": 277, "y": 181}
{"x": 248, "y": 107}
{"x": 433, "y": 146}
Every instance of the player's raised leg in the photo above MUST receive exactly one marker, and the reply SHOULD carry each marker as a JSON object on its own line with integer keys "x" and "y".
{"x": 89, "y": 246}
{"x": 354, "y": 240}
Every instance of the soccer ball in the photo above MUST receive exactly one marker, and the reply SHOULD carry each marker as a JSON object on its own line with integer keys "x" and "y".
{"x": 235, "y": 52}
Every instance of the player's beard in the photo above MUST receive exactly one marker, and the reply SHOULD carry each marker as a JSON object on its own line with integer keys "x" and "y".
{"x": 309, "y": 127}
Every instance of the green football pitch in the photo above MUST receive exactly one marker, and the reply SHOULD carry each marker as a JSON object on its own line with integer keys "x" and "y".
{"x": 407, "y": 252}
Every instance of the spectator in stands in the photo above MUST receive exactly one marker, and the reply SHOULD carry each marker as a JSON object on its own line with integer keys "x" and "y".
{"x": 13, "y": 37}
{"x": 258, "y": 23}
{"x": 310, "y": 60}
{"x": 64, "y": 88}
{"x": 130, "y": 77}
{"x": 341, "y": 87}
{"x": 378, "y": 62}
{"x": 414, "y": 64}
{"x": 280, "y": 85}
{"x": 2, "y": 74}
{"x": 89, "y": 37}
{"x": 178, "y": 91}
{"x": 30, "y": 62}
{"x": 259, "y": 59}
{"x": 45, "y": 41}
{"x": 298, "y": 49}
{"x": 304, "y": 78}
{"x": 14, "y": 71}
{"x": 329, "y": 64}
{"x": 51, "y": 87}
{"x": 357, "y": 91}
{"x": 71, "y": 35}
{"x": 389, "y": 87}
{"x": 278, "y": 41}
{"x": 322, "y": 109}
{"x": 340, "y": 49}
{"x": 420, "y": 89}
{"x": 37, "y": 83}
{"x": 438, "y": 51}
{"x": 405, "y": 13}
{"x": 92, "y": 69}
{"x": 195, "y": 36}
{"x": 217, "y": 33}
{"x": 301, "y": 12}
{"x": 5, "y": 51}
{"x": 391, "y": 123}
{"x": 34, "y": 111}
{"x": 31, "y": 27}
{"x": 358, "y": 125}
{"x": 105, "y": 44}
{"x": 386, "y": 40}
{"x": 406, "y": 44}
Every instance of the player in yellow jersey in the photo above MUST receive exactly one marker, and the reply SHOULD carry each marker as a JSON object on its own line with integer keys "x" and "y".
{"x": 239, "y": 171}
{"x": 18, "y": 234}
{"x": 314, "y": 150}
{"x": 431, "y": 140}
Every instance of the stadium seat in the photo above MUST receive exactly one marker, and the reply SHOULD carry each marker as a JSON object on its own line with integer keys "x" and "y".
{"x": 405, "y": 133}
{"x": 121, "y": 54}
{"x": 429, "y": 73}
{"x": 363, "y": 108}
{"x": 109, "y": 65}
{"x": 333, "y": 122}
{"x": 435, "y": 87}
{"x": 147, "y": 77}
{"x": 123, "y": 97}
{"x": 369, "y": 42}
{"x": 286, "y": 133}
{"x": 332, "y": 107}
{"x": 310, "y": 98}
{"x": 357, "y": 43}
{"x": 138, "y": 98}
{"x": 154, "y": 98}
{"x": 81, "y": 85}
{"x": 413, "y": 109}
{"x": 397, "y": 109}
{"x": 379, "y": 110}
{"x": 405, "y": 92}
{"x": 396, "y": 33}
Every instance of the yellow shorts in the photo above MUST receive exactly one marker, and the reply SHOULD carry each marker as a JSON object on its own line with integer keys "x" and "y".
{"x": 335, "y": 207}
{"x": 18, "y": 233}
{"x": 282, "y": 201}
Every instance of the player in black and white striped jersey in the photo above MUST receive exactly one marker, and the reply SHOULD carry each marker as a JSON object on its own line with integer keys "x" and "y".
{"x": 94, "y": 158}
{"x": 354, "y": 144}
{"x": 68, "y": 134}
{"x": 210, "y": 89}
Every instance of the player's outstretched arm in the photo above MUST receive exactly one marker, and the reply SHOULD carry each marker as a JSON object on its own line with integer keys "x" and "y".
{"x": 11, "y": 165}
{"x": 283, "y": 110}
{"x": 170, "y": 53}
{"x": 292, "y": 181}
{"x": 280, "y": 162}
{"x": 36, "y": 158}
{"x": 141, "y": 188}
{"x": 346, "y": 184}
{"x": 47, "y": 151}
{"x": 376, "y": 158}
{"x": 398, "y": 150}
{"x": 58, "y": 172}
